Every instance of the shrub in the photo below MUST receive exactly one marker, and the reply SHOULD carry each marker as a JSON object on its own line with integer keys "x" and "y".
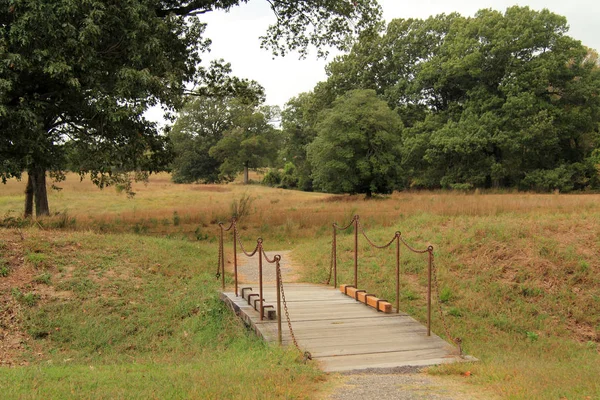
{"x": 240, "y": 208}
{"x": 272, "y": 178}
{"x": 548, "y": 180}
{"x": 289, "y": 179}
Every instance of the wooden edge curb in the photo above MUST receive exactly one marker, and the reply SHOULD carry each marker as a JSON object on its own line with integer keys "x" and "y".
{"x": 366, "y": 298}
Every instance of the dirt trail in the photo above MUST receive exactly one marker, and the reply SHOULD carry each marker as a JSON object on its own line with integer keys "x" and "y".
{"x": 248, "y": 268}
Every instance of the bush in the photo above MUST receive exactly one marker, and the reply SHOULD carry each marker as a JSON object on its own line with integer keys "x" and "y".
{"x": 241, "y": 208}
{"x": 548, "y": 180}
{"x": 272, "y": 178}
{"x": 289, "y": 179}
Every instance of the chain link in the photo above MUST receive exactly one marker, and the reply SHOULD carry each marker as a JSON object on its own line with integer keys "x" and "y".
{"x": 335, "y": 225}
{"x": 456, "y": 340}
{"x": 385, "y": 246}
{"x": 306, "y": 355}
{"x": 218, "y": 274}
{"x": 220, "y": 257}
{"x": 239, "y": 240}
{"x": 335, "y": 229}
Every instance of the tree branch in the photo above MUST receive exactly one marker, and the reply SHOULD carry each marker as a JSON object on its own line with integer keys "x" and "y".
{"x": 193, "y": 8}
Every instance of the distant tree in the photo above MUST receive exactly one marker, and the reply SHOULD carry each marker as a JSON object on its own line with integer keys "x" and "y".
{"x": 358, "y": 144}
{"x": 200, "y": 126}
{"x": 500, "y": 99}
{"x": 298, "y": 123}
{"x": 251, "y": 141}
{"x": 202, "y": 123}
{"x": 77, "y": 76}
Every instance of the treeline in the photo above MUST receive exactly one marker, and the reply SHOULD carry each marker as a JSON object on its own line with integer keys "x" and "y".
{"x": 498, "y": 100}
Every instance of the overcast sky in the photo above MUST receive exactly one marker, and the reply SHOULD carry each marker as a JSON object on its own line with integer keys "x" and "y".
{"x": 235, "y": 38}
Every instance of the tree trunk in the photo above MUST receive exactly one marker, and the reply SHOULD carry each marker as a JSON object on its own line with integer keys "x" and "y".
{"x": 246, "y": 180}
{"x": 38, "y": 177}
{"x": 29, "y": 197}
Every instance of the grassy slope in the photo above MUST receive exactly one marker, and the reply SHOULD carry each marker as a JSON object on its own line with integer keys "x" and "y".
{"x": 519, "y": 273}
{"x": 125, "y": 316}
{"x": 522, "y": 290}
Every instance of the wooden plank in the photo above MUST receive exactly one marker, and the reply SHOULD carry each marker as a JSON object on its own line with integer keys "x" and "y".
{"x": 342, "y": 334}
{"x": 342, "y": 346}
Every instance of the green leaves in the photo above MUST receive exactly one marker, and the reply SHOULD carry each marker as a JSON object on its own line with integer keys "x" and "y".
{"x": 487, "y": 101}
{"x": 319, "y": 23}
{"x": 357, "y": 147}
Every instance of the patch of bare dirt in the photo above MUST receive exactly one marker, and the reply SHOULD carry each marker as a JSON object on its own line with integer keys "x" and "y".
{"x": 12, "y": 336}
{"x": 21, "y": 278}
{"x": 248, "y": 268}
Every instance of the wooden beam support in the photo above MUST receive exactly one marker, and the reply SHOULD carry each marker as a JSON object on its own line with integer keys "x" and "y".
{"x": 364, "y": 297}
{"x": 269, "y": 310}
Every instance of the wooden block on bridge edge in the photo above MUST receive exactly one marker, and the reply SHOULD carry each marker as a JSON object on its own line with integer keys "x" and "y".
{"x": 371, "y": 301}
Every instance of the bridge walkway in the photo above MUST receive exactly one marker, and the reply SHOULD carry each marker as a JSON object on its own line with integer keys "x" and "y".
{"x": 343, "y": 334}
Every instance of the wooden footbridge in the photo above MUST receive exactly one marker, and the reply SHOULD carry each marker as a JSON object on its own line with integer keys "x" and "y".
{"x": 343, "y": 328}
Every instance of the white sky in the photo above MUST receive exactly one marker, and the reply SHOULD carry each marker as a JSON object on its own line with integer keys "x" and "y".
{"x": 235, "y": 38}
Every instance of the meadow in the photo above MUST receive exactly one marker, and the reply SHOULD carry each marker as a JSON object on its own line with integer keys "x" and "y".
{"x": 111, "y": 287}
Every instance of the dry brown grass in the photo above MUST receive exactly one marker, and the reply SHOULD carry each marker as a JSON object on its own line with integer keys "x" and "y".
{"x": 156, "y": 203}
{"x": 522, "y": 269}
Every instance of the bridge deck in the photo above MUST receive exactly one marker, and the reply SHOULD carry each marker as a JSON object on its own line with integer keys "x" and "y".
{"x": 343, "y": 334}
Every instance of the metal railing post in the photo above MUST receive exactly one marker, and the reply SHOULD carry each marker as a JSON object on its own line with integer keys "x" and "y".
{"x": 235, "y": 271}
{"x": 356, "y": 251}
{"x": 260, "y": 278}
{"x": 278, "y": 273}
{"x": 430, "y": 251}
{"x": 334, "y": 257}
{"x": 222, "y": 266}
{"x": 397, "y": 272}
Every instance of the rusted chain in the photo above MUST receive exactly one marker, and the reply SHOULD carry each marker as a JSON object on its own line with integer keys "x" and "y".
{"x": 412, "y": 248}
{"x": 221, "y": 225}
{"x": 385, "y": 246}
{"x": 276, "y": 257}
{"x": 306, "y": 355}
{"x": 239, "y": 239}
{"x": 231, "y": 225}
{"x": 456, "y": 340}
{"x": 335, "y": 225}
{"x": 218, "y": 274}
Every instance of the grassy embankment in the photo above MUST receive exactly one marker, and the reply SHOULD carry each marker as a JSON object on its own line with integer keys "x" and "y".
{"x": 519, "y": 275}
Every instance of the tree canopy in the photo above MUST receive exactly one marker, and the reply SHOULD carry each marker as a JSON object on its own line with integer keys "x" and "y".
{"x": 251, "y": 141}
{"x": 215, "y": 138}
{"x": 77, "y": 76}
{"x": 357, "y": 147}
{"x": 495, "y": 100}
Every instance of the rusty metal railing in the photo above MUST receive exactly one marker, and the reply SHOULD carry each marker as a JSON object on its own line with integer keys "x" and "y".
{"x": 355, "y": 223}
{"x": 262, "y": 255}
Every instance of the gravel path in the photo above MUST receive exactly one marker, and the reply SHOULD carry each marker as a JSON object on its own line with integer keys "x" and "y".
{"x": 406, "y": 383}
{"x": 248, "y": 268}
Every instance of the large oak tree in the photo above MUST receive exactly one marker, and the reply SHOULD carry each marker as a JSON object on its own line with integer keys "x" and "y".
{"x": 495, "y": 100}
{"x": 357, "y": 148}
{"x": 76, "y": 77}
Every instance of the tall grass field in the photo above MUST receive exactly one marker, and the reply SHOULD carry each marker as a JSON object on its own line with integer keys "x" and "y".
{"x": 115, "y": 297}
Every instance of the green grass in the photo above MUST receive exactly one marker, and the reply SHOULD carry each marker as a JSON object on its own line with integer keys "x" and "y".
{"x": 523, "y": 295}
{"x": 519, "y": 278}
{"x": 138, "y": 317}
{"x": 236, "y": 374}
